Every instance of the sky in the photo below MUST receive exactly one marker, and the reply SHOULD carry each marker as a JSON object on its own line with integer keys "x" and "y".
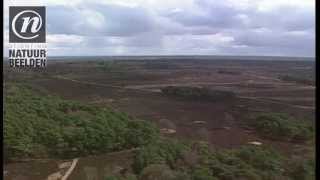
{"x": 176, "y": 27}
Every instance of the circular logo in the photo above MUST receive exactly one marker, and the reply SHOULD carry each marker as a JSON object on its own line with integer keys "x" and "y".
{"x": 27, "y": 24}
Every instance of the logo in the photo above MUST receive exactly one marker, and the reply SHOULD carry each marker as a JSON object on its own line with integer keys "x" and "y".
{"x": 27, "y": 24}
{"x": 27, "y": 37}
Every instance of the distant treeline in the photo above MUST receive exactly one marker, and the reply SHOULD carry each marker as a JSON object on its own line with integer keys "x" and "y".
{"x": 198, "y": 93}
{"x": 224, "y": 71}
{"x": 296, "y": 79}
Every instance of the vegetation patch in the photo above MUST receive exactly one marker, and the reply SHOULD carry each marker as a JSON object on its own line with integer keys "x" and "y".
{"x": 302, "y": 169}
{"x": 229, "y": 72}
{"x": 159, "y": 65}
{"x": 110, "y": 66}
{"x": 282, "y": 126}
{"x": 198, "y": 93}
{"x": 41, "y": 125}
{"x": 167, "y": 159}
{"x": 166, "y": 152}
{"x": 198, "y": 162}
{"x": 298, "y": 79}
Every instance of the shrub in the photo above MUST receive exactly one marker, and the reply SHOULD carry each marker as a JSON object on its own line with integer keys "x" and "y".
{"x": 302, "y": 169}
{"x": 128, "y": 177}
{"x": 141, "y": 133}
{"x": 159, "y": 172}
{"x": 111, "y": 178}
{"x": 159, "y": 152}
{"x": 266, "y": 161}
{"x": 203, "y": 173}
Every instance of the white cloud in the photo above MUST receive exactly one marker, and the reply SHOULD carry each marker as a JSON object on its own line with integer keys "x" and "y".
{"x": 64, "y": 40}
{"x": 268, "y": 6}
{"x": 123, "y": 27}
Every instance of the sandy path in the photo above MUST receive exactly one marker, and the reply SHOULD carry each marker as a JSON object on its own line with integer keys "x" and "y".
{"x": 73, "y": 165}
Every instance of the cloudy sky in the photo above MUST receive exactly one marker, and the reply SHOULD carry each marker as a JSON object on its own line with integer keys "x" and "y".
{"x": 177, "y": 27}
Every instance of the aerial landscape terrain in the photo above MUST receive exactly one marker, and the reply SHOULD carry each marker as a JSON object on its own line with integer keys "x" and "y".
{"x": 161, "y": 118}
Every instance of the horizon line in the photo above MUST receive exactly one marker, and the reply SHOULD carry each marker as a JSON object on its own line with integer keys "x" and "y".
{"x": 184, "y": 55}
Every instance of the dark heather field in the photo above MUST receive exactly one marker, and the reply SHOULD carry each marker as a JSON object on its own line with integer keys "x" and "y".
{"x": 134, "y": 87}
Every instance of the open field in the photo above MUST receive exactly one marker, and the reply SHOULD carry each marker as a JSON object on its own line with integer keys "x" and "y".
{"x": 134, "y": 87}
